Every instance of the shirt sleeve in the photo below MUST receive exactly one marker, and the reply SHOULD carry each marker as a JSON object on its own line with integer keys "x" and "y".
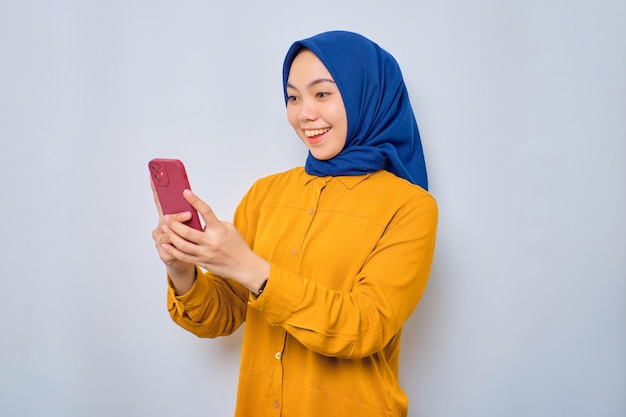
{"x": 387, "y": 289}
{"x": 213, "y": 307}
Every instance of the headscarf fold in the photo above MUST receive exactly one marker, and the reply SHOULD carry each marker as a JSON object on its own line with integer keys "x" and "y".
{"x": 382, "y": 131}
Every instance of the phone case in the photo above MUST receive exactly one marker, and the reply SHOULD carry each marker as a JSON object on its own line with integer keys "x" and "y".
{"x": 170, "y": 180}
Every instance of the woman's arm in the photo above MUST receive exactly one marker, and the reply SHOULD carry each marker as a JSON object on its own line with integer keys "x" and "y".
{"x": 213, "y": 307}
{"x": 200, "y": 302}
{"x": 362, "y": 320}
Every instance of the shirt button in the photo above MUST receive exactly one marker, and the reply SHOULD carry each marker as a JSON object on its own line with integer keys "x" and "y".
{"x": 294, "y": 251}
{"x": 311, "y": 211}
{"x": 276, "y": 404}
{"x": 278, "y": 355}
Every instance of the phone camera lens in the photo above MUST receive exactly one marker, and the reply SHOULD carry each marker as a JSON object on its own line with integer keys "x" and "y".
{"x": 157, "y": 177}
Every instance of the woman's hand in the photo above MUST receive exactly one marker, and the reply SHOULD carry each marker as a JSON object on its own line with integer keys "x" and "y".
{"x": 181, "y": 273}
{"x": 219, "y": 248}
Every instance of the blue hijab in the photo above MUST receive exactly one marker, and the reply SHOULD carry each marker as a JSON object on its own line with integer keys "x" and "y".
{"x": 382, "y": 131}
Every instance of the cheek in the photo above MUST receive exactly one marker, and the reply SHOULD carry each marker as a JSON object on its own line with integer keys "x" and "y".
{"x": 341, "y": 143}
{"x": 341, "y": 120}
{"x": 338, "y": 113}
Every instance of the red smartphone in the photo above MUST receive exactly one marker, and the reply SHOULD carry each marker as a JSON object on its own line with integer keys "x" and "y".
{"x": 170, "y": 180}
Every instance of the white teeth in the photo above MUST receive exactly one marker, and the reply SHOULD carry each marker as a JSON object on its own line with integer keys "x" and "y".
{"x": 316, "y": 132}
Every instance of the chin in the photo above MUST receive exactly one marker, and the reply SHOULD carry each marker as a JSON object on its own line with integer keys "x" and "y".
{"x": 324, "y": 153}
{"x": 321, "y": 156}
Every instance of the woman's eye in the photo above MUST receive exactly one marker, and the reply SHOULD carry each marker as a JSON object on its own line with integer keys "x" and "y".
{"x": 291, "y": 98}
{"x": 322, "y": 94}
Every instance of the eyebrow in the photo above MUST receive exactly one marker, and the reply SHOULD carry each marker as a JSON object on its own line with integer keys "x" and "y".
{"x": 312, "y": 83}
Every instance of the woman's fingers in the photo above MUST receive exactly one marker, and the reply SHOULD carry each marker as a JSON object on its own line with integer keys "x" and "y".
{"x": 179, "y": 249}
{"x": 163, "y": 235}
{"x": 174, "y": 226}
{"x": 210, "y": 219}
{"x": 218, "y": 248}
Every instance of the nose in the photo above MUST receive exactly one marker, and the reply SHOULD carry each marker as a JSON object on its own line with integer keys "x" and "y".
{"x": 307, "y": 111}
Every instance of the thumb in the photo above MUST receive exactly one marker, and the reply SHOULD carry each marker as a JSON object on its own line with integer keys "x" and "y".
{"x": 209, "y": 217}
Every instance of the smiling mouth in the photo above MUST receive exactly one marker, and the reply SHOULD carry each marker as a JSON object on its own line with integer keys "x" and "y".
{"x": 311, "y": 133}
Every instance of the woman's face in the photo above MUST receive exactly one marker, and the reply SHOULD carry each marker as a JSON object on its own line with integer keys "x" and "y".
{"x": 315, "y": 108}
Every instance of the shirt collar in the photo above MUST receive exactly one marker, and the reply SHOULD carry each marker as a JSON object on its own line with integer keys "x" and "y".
{"x": 349, "y": 181}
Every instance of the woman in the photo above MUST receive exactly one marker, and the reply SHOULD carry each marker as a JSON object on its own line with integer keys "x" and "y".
{"x": 324, "y": 263}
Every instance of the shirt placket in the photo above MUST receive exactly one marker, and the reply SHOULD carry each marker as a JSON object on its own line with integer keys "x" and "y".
{"x": 310, "y": 209}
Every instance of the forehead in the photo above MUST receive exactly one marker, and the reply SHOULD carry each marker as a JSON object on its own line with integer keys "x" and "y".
{"x": 307, "y": 67}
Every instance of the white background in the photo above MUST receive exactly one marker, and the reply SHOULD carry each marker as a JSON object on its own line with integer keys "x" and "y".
{"x": 522, "y": 110}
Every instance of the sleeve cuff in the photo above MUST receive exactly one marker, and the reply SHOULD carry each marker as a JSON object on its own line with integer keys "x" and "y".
{"x": 282, "y": 294}
{"x": 185, "y": 303}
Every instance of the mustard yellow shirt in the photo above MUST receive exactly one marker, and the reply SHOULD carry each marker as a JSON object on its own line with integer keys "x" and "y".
{"x": 350, "y": 258}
